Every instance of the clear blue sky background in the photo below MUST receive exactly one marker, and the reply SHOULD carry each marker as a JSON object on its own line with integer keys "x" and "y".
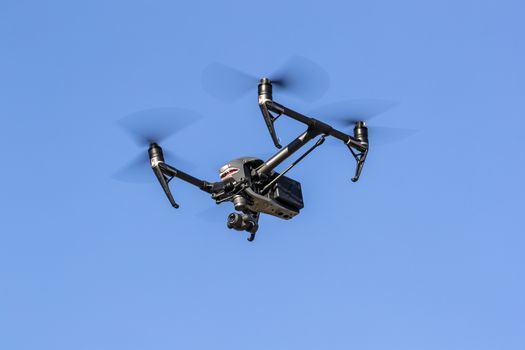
{"x": 425, "y": 252}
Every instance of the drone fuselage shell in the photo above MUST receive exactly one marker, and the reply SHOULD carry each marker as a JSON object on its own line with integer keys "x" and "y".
{"x": 284, "y": 200}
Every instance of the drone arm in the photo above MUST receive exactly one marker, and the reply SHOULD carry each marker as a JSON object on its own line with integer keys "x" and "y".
{"x": 173, "y": 172}
{"x": 319, "y": 142}
{"x": 358, "y": 144}
{"x": 165, "y": 173}
{"x": 316, "y": 125}
{"x": 286, "y": 152}
{"x": 267, "y": 105}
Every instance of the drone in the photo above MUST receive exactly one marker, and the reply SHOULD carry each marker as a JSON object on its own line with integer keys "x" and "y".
{"x": 253, "y": 185}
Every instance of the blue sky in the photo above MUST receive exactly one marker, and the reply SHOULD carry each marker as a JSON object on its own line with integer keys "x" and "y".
{"x": 424, "y": 252}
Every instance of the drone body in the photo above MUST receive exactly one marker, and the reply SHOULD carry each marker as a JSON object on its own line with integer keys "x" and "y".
{"x": 251, "y": 184}
{"x": 283, "y": 200}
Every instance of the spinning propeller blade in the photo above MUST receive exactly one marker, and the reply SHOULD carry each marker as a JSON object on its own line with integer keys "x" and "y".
{"x": 347, "y": 113}
{"x": 227, "y": 83}
{"x": 299, "y": 77}
{"x": 302, "y": 78}
{"x": 350, "y": 111}
{"x": 380, "y": 135}
{"x": 152, "y": 126}
{"x": 156, "y": 124}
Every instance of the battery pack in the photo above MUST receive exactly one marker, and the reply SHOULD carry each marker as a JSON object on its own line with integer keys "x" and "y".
{"x": 288, "y": 192}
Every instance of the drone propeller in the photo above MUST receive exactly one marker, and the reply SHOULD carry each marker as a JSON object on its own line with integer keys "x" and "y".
{"x": 152, "y": 126}
{"x": 156, "y": 124}
{"x": 347, "y": 113}
{"x": 299, "y": 77}
{"x": 350, "y": 111}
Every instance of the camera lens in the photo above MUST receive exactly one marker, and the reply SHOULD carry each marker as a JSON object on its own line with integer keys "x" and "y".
{"x": 242, "y": 222}
{"x": 234, "y": 221}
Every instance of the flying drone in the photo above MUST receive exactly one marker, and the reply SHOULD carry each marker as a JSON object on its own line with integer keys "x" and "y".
{"x": 252, "y": 185}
